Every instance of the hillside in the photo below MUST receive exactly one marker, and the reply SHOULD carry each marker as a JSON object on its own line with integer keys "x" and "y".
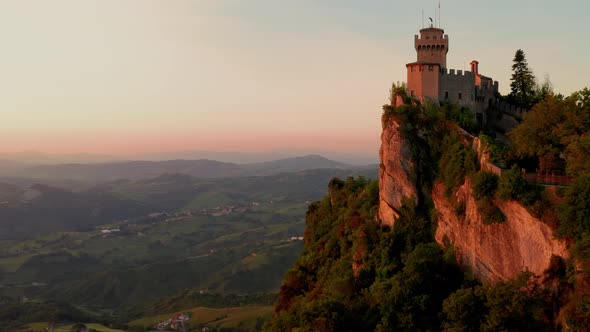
{"x": 203, "y": 168}
{"x": 89, "y": 248}
{"x": 34, "y": 209}
{"x": 246, "y": 318}
{"x": 445, "y": 243}
{"x": 355, "y": 275}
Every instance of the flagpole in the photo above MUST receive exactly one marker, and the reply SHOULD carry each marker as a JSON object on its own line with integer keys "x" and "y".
{"x": 439, "y": 16}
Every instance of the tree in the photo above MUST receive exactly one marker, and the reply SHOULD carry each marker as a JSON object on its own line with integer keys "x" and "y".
{"x": 512, "y": 184}
{"x": 578, "y": 156}
{"x": 514, "y": 305}
{"x": 575, "y": 210}
{"x": 464, "y": 310}
{"x": 538, "y": 134}
{"x": 484, "y": 185}
{"x": 553, "y": 126}
{"x": 543, "y": 90}
{"x": 522, "y": 84}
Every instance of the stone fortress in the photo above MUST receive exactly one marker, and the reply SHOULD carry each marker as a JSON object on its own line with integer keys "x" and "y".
{"x": 498, "y": 251}
{"x": 429, "y": 79}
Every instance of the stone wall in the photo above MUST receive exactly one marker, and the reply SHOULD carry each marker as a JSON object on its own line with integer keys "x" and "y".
{"x": 459, "y": 86}
{"x": 423, "y": 80}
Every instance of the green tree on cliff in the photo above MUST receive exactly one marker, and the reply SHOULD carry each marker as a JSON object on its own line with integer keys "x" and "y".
{"x": 522, "y": 84}
{"x": 554, "y": 126}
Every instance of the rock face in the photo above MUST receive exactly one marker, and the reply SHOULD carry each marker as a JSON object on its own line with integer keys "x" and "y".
{"x": 397, "y": 172}
{"x": 492, "y": 252}
{"x": 497, "y": 251}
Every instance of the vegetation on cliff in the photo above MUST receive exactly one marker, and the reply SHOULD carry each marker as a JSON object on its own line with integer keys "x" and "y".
{"x": 355, "y": 275}
{"x": 554, "y": 135}
{"x": 556, "y": 128}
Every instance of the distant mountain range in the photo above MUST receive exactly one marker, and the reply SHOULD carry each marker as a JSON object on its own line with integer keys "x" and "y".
{"x": 202, "y": 168}
{"x": 40, "y": 158}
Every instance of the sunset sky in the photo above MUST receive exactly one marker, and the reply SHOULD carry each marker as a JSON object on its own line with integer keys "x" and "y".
{"x": 135, "y": 76}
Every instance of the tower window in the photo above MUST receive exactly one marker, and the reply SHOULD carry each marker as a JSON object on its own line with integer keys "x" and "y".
{"x": 446, "y": 95}
{"x": 460, "y": 96}
{"x": 412, "y": 93}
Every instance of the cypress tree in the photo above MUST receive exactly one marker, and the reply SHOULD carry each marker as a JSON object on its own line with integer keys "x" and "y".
{"x": 522, "y": 81}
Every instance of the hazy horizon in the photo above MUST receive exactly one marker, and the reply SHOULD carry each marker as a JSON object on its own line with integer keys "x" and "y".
{"x": 239, "y": 157}
{"x": 142, "y": 77}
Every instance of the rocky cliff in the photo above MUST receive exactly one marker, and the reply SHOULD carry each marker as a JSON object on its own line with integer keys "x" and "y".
{"x": 495, "y": 251}
{"x": 492, "y": 252}
{"x": 397, "y": 172}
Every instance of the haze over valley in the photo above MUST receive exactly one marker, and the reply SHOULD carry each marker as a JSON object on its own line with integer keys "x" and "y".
{"x": 294, "y": 165}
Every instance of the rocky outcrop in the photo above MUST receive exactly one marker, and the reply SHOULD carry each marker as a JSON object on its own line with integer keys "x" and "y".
{"x": 397, "y": 172}
{"x": 496, "y": 251}
{"x": 492, "y": 252}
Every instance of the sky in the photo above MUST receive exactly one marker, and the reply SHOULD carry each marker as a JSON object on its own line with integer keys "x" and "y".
{"x": 140, "y": 76}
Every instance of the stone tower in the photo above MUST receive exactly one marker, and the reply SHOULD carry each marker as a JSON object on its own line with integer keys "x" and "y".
{"x": 432, "y": 46}
{"x": 423, "y": 75}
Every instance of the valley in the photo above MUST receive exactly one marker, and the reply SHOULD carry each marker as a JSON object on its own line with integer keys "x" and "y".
{"x": 115, "y": 249}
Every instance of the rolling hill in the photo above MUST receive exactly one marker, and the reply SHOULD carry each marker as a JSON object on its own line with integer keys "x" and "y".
{"x": 203, "y": 168}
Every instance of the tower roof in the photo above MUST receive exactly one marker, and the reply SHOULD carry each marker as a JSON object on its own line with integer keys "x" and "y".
{"x": 432, "y": 29}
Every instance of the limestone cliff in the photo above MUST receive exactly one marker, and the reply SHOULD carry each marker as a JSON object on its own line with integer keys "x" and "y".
{"x": 496, "y": 251}
{"x": 397, "y": 172}
{"x": 492, "y": 252}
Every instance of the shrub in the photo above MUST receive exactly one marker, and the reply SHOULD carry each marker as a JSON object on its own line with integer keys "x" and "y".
{"x": 455, "y": 162}
{"x": 512, "y": 185}
{"x": 499, "y": 152}
{"x": 574, "y": 212}
{"x": 484, "y": 185}
{"x": 464, "y": 117}
{"x": 490, "y": 213}
{"x": 464, "y": 309}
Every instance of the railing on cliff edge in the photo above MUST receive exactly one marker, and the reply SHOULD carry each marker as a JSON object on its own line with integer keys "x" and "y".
{"x": 534, "y": 178}
{"x": 559, "y": 180}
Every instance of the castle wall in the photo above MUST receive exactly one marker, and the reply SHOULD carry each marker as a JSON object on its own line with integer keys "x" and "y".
{"x": 457, "y": 87}
{"x": 506, "y": 116}
{"x": 486, "y": 91}
{"x": 423, "y": 81}
{"x": 428, "y": 78}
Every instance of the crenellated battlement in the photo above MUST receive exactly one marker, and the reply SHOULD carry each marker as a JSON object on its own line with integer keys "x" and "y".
{"x": 458, "y": 73}
{"x": 429, "y": 78}
{"x": 432, "y": 45}
{"x": 510, "y": 109}
{"x": 430, "y": 39}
